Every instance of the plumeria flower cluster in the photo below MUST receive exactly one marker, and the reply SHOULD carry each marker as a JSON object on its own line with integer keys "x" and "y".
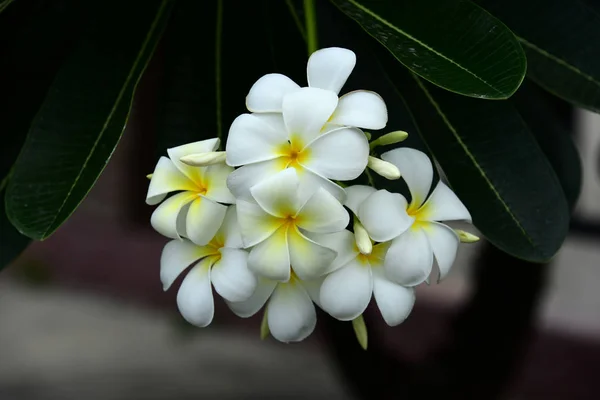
{"x": 268, "y": 224}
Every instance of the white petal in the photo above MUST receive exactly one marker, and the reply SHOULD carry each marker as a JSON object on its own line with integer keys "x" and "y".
{"x": 203, "y": 220}
{"x": 330, "y": 68}
{"x": 278, "y": 195}
{"x": 255, "y": 224}
{"x": 341, "y": 242}
{"x": 230, "y": 234}
{"x": 409, "y": 259}
{"x": 252, "y": 140}
{"x": 394, "y": 301}
{"x": 291, "y": 314}
{"x": 444, "y": 205}
{"x": 203, "y": 146}
{"x": 270, "y": 258}
{"x": 346, "y": 293}
{"x": 195, "y": 299}
{"x": 361, "y": 108}
{"x": 310, "y": 181}
{"x": 258, "y": 299}
{"x": 274, "y": 120}
{"x": 416, "y": 170}
{"x": 313, "y": 288}
{"x": 356, "y": 195}
{"x": 176, "y": 256}
{"x": 266, "y": 95}
{"x": 242, "y": 179}
{"x": 339, "y": 154}
{"x": 444, "y": 243}
{"x": 322, "y": 213}
{"x": 383, "y": 214}
{"x": 165, "y": 218}
{"x": 309, "y": 259}
{"x": 306, "y": 111}
{"x": 231, "y": 277}
{"x": 215, "y": 179}
{"x": 166, "y": 178}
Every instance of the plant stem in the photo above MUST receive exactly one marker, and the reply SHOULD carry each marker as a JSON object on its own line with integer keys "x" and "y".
{"x": 310, "y": 20}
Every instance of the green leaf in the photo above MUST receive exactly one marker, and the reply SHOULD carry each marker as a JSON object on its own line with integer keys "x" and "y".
{"x": 561, "y": 40}
{"x": 12, "y": 243}
{"x": 494, "y": 165}
{"x": 83, "y": 116}
{"x": 452, "y": 43}
{"x": 553, "y": 137}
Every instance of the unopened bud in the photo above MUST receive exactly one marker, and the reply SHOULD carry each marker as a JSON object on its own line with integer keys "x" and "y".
{"x": 362, "y": 239}
{"x": 203, "y": 159}
{"x": 389, "y": 138}
{"x": 466, "y": 237}
{"x": 264, "y": 327}
{"x": 149, "y": 176}
{"x": 384, "y": 168}
{"x": 360, "y": 330}
{"x": 368, "y": 135}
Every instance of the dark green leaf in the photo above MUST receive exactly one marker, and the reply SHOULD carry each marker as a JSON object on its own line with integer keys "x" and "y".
{"x": 494, "y": 165}
{"x": 12, "y": 243}
{"x": 561, "y": 40}
{"x": 555, "y": 139}
{"x": 452, "y": 43}
{"x": 82, "y": 118}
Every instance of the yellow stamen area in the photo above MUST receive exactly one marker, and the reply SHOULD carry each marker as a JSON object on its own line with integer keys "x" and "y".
{"x": 375, "y": 258}
{"x": 293, "y": 153}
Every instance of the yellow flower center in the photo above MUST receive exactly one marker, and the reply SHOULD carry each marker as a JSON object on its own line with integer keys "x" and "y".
{"x": 293, "y": 153}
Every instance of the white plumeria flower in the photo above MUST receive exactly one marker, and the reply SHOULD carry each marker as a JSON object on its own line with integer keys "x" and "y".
{"x": 290, "y": 311}
{"x": 264, "y": 144}
{"x": 274, "y": 226}
{"x": 195, "y": 212}
{"x": 327, "y": 69}
{"x": 222, "y": 262}
{"x": 387, "y": 216}
{"x": 346, "y": 292}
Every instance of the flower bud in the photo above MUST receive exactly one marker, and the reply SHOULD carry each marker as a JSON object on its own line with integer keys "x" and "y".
{"x": 203, "y": 159}
{"x": 384, "y": 168}
{"x": 360, "y": 330}
{"x": 264, "y": 327}
{"x": 362, "y": 239}
{"x": 389, "y": 138}
{"x": 466, "y": 237}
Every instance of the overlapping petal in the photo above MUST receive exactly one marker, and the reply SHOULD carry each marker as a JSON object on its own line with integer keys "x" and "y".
{"x": 255, "y": 223}
{"x": 203, "y": 146}
{"x": 416, "y": 170}
{"x": 291, "y": 314}
{"x": 361, "y": 108}
{"x": 203, "y": 220}
{"x": 231, "y": 277}
{"x": 395, "y": 302}
{"x": 330, "y": 68}
{"x": 266, "y": 95}
{"x": 248, "y": 308}
{"x": 322, "y": 213}
{"x": 176, "y": 256}
{"x": 383, "y": 214}
{"x": 278, "y": 195}
{"x": 195, "y": 299}
{"x": 270, "y": 258}
{"x": 444, "y": 205}
{"x": 215, "y": 180}
{"x": 409, "y": 259}
{"x": 308, "y": 258}
{"x": 444, "y": 243}
{"x": 356, "y": 195}
{"x": 166, "y": 178}
{"x": 242, "y": 179}
{"x": 306, "y": 111}
{"x": 251, "y": 140}
{"x": 229, "y": 233}
{"x": 165, "y": 219}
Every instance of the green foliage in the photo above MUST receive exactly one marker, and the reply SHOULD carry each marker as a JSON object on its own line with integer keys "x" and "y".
{"x": 72, "y": 67}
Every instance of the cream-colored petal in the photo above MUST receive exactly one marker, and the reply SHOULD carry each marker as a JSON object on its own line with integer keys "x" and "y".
{"x": 278, "y": 194}
{"x": 416, "y": 170}
{"x": 329, "y": 68}
{"x": 444, "y": 243}
{"x": 203, "y": 220}
{"x": 341, "y": 242}
{"x": 231, "y": 277}
{"x": 409, "y": 259}
{"x": 444, "y": 205}
{"x": 383, "y": 214}
{"x": 395, "y": 302}
{"x": 291, "y": 314}
{"x": 195, "y": 299}
{"x": 256, "y": 225}
{"x": 252, "y": 140}
{"x": 203, "y": 146}
{"x": 248, "y": 308}
{"x": 230, "y": 233}
{"x": 361, "y": 108}
{"x": 270, "y": 258}
{"x": 309, "y": 260}
{"x": 242, "y": 179}
{"x": 166, "y": 178}
{"x": 215, "y": 180}
{"x": 266, "y": 95}
{"x": 176, "y": 256}
{"x": 165, "y": 219}
{"x": 322, "y": 213}
{"x": 306, "y": 111}
{"x": 356, "y": 195}
{"x": 311, "y": 181}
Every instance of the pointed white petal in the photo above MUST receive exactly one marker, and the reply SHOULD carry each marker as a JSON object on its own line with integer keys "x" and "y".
{"x": 256, "y": 225}
{"x": 346, "y": 292}
{"x": 416, "y": 170}
{"x": 361, "y": 108}
{"x": 339, "y": 154}
{"x": 356, "y": 195}
{"x": 270, "y": 258}
{"x": 444, "y": 205}
{"x": 248, "y": 308}
{"x": 252, "y": 140}
{"x": 230, "y": 234}
{"x": 330, "y": 68}
{"x": 306, "y": 111}
{"x": 383, "y": 214}
{"x": 203, "y": 220}
{"x": 291, "y": 313}
{"x": 166, "y": 178}
{"x": 231, "y": 277}
{"x": 395, "y": 302}
{"x": 322, "y": 213}
{"x": 409, "y": 259}
{"x": 242, "y": 179}
{"x": 274, "y": 120}
{"x": 310, "y": 181}
{"x": 203, "y": 146}
{"x": 266, "y": 95}
{"x": 176, "y": 256}
{"x": 309, "y": 259}
{"x": 444, "y": 243}
{"x": 165, "y": 218}
{"x": 215, "y": 179}
{"x": 195, "y": 298}
{"x": 278, "y": 195}
{"x": 341, "y": 242}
